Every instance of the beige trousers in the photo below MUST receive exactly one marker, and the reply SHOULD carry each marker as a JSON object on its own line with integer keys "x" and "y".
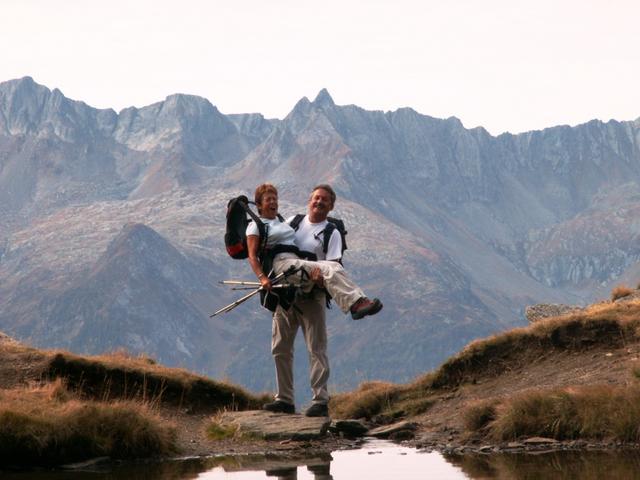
{"x": 308, "y": 314}
{"x": 343, "y": 290}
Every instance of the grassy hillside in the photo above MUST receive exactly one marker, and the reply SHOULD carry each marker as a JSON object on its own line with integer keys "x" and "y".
{"x": 567, "y": 377}
{"x": 56, "y": 407}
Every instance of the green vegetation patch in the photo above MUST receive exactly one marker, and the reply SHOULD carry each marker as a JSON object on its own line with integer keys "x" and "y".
{"x": 219, "y": 431}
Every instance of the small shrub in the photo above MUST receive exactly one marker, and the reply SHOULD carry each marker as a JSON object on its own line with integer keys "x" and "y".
{"x": 619, "y": 292}
{"x": 219, "y": 431}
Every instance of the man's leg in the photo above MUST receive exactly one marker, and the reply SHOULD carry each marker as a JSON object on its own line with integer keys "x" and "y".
{"x": 314, "y": 328}
{"x": 283, "y": 335}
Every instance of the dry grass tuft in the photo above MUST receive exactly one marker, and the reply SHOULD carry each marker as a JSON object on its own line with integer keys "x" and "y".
{"x": 594, "y": 412}
{"x": 47, "y": 426}
{"x": 122, "y": 376}
{"x": 479, "y": 415}
{"x": 620, "y": 291}
{"x": 371, "y": 398}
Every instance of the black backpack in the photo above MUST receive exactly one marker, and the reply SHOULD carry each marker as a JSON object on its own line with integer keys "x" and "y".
{"x": 334, "y": 223}
{"x": 238, "y": 217}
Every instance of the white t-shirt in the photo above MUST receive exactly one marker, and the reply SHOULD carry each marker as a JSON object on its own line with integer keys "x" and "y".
{"x": 278, "y": 233}
{"x": 310, "y": 238}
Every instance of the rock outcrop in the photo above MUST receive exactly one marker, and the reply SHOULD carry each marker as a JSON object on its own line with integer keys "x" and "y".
{"x": 535, "y": 313}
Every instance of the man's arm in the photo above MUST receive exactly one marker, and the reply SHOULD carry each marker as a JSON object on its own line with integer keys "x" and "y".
{"x": 334, "y": 249}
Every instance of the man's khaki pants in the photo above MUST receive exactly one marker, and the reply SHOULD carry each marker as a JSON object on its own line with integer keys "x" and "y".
{"x": 308, "y": 314}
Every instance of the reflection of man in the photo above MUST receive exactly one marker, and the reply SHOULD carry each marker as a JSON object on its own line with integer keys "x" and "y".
{"x": 308, "y": 313}
{"x": 319, "y": 471}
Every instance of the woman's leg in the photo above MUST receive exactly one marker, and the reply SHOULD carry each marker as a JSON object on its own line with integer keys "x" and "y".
{"x": 343, "y": 290}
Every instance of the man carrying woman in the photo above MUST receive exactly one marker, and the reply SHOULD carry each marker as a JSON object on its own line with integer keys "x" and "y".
{"x": 308, "y": 311}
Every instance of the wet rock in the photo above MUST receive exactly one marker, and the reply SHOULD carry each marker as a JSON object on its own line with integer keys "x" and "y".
{"x": 402, "y": 435}
{"x": 539, "y": 441}
{"x": 88, "y": 464}
{"x": 382, "y": 419}
{"x": 515, "y": 445}
{"x": 388, "y": 430}
{"x": 350, "y": 428}
{"x": 276, "y": 426}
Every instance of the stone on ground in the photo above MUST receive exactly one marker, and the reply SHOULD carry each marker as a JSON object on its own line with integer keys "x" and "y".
{"x": 276, "y": 426}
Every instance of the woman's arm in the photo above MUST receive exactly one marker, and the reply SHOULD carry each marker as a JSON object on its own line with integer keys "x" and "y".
{"x": 253, "y": 243}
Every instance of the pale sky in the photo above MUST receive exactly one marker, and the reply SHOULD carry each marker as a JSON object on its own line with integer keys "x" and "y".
{"x": 506, "y": 65}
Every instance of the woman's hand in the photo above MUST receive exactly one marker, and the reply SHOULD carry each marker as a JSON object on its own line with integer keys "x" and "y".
{"x": 265, "y": 283}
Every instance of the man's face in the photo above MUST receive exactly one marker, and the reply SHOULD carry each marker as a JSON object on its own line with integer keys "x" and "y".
{"x": 320, "y": 203}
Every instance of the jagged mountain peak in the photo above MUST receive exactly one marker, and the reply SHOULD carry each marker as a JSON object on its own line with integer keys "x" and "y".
{"x": 23, "y": 82}
{"x": 189, "y": 103}
{"x": 30, "y": 108}
{"x": 302, "y": 106}
{"x": 136, "y": 236}
{"x": 323, "y": 99}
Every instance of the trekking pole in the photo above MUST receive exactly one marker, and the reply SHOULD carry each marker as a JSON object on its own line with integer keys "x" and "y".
{"x": 233, "y": 305}
{"x": 281, "y": 285}
{"x": 239, "y": 282}
{"x": 277, "y": 279}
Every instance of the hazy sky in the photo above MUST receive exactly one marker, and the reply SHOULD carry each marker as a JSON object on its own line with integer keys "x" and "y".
{"x": 507, "y": 65}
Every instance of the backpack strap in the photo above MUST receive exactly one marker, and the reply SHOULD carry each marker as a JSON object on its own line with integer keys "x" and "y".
{"x": 295, "y": 222}
{"x": 263, "y": 229}
{"x": 328, "y": 230}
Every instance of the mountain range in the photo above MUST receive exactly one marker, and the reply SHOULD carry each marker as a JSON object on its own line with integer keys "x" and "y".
{"x": 112, "y": 226}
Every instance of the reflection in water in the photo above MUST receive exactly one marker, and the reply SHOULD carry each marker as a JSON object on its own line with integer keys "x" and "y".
{"x": 585, "y": 465}
{"x": 376, "y": 460}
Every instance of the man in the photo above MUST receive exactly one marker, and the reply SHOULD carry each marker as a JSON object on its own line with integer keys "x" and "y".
{"x": 308, "y": 313}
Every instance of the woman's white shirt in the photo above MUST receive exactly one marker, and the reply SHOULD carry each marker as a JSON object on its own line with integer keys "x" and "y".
{"x": 278, "y": 233}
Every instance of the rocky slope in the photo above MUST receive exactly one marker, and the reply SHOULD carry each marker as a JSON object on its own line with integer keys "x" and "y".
{"x": 457, "y": 231}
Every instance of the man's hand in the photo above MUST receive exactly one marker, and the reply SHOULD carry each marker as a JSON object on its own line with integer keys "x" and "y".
{"x": 316, "y": 277}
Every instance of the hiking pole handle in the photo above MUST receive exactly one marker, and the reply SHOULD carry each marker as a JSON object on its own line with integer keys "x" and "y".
{"x": 239, "y": 282}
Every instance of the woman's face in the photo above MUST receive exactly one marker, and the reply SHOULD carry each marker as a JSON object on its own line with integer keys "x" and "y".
{"x": 269, "y": 205}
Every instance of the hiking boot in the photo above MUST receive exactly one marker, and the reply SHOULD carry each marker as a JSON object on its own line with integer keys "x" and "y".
{"x": 364, "y": 307}
{"x": 317, "y": 410}
{"x": 279, "y": 407}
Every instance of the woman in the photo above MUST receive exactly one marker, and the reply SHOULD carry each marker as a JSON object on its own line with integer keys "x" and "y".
{"x": 281, "y": 240}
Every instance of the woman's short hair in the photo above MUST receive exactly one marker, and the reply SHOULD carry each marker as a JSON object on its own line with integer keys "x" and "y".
{"x": 261, "y": 191}
{"x": 326, "y": 187}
